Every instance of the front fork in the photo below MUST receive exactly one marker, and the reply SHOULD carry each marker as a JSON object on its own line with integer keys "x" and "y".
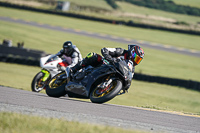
{"x": 42, "y": 82}
{"x": 107, "y": 82}
{"x": 46, "y": 75}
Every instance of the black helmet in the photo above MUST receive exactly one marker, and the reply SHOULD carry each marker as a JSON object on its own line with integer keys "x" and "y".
{"x": 136, "y": 54}
{"x": 68, "y": 48}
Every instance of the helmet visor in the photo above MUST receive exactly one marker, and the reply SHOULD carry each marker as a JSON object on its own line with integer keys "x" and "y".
{"x": 66, "y": 50}
{"x": 136, "y": 59}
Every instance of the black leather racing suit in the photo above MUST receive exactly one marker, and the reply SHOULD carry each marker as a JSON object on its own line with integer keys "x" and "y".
{"x": 109, "y": 54}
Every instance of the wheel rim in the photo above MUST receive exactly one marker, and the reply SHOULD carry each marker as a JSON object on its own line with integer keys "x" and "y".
{"x": 100, "y": 92}
{"x": 56, "y": 82}
{"x": 38, "y": 85}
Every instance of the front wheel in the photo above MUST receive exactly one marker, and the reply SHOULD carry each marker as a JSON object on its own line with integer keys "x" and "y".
{"x": 56, "y": 86}
{"x": 101, "y": 95}
{"x": 37, "y": 84}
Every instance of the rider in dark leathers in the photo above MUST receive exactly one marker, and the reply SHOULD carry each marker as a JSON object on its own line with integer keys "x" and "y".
{"x": 133, "y": 55}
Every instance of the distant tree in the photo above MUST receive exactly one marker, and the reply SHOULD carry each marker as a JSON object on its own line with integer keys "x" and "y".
{"x": 166, "y": 5}
{"x": 112, "y": 3}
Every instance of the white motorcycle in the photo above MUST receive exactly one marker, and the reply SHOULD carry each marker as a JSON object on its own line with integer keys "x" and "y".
{"x": 51, "y": 65}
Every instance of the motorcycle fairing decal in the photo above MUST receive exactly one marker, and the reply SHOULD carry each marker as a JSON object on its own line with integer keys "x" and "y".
{"x": 46, "y": 74}
{"x": 126, "y": 68}
{"x": 130, "y": 65}
{"x": 63, "y": 64}
{"x": 49, "y": 62}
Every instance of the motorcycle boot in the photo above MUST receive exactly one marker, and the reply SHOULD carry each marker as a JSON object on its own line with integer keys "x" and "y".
{"x": 92, "y": 59}
{"x": 77, "y": 67}
{"x": 68, "y": 72}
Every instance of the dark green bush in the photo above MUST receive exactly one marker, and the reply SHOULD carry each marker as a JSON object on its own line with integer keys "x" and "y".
{"x": 112, "y": 3}
{"x": 164, "y": 5}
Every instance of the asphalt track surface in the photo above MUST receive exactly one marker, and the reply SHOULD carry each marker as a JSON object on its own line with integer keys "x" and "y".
{"x": 27, "y": 102}
{"x": 126, "y": 41}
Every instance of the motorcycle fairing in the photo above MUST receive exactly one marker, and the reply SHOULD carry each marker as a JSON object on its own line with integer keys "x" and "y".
{"x": 84, "y": 87}
{"x": 126, "y": 72}
{"x": 95, "y": 75}
{"x": 76, "y": 88}
{"x": 50, "y": 62}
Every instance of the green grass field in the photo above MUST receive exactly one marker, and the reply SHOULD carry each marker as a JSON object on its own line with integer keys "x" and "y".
{"x": 154, "y": 36}
{"x": 51, "y": 41}
{"x": 96, "y": 3}
{"x": 127, "y": 7}
{"x": 193, "y": 3}
{"x": 18, "y": 123}
{"x": 103, "y": 4}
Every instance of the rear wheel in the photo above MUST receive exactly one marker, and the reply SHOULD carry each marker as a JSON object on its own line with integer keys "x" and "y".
{"x": 56, "y": 86}
{"x": 101, "y": 95}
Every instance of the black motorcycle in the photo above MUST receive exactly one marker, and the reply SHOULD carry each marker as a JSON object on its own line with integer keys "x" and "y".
{"x": 99, "y": 84}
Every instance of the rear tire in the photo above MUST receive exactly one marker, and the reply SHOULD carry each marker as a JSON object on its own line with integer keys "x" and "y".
{"x": 56, "y": 91}
{"x": 110, "y": 95}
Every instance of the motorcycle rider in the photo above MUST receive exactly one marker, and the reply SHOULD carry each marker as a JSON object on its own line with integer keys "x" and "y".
{"x": 71, "y": 55}
{"x": 133, "y": 57}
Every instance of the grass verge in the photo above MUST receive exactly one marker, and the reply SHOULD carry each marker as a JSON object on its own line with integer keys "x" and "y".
{"x": 18, "y": 123}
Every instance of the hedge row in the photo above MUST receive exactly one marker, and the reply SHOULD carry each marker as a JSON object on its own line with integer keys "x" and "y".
{"x": 22, "y": 61}
{"x": 112, "y": 3}
{"x": 194, "y": 85}
{"x": 67, "y": 14}
{"x": 165, "y": 5}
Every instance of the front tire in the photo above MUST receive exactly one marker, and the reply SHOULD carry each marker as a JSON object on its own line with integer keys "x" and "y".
{"x": 114, "y": 89}
{"x": 36, "y": 85}
{"x": 53, "y": 89}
